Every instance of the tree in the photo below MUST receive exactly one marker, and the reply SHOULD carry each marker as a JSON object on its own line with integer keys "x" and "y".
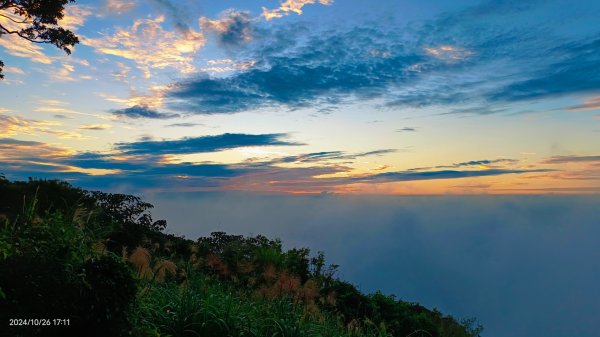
{"x": 37, "y": 22}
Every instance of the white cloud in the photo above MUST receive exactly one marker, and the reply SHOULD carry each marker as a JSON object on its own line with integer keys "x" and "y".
{"x": 119, "y": 6}
{"x": 74, "y": 17}
{"x": 150, "y": 46}
{"x": 17, "y": 46}
{"x": 291, "y": 6}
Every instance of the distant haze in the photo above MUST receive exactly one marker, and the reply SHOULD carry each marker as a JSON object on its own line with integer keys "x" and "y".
{"x": 523, "y": 265}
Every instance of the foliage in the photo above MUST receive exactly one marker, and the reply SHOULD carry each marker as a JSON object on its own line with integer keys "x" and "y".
{"x": 105, "y": 301}
{"x": 51, "y": 269}
{"x": 122, "y": 220}
{"x": 130, "y": 216}
{"x": 37, "y": 22}
{"x": 207, "y": 308}
{"x": 99, "y": 260}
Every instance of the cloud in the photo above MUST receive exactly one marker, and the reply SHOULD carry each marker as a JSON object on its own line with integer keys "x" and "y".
{"x": 95, "y": 127}
{"x": 184, "y": 125}
{"x": 203, "y": 144}
{"x": 142, "y": 111}
{"x": 571, "y": 159}
{"x": 176, "y": 14}
{"x": 498, "y": 256}
{"x": 576, "y": 71}
{"x": 449, "y": 53}
{"x": 592, "y": 103}
{"x": 17, "y": 46}
{"x": 406, "y": 129}
{"x": 74, "y": 17}
{"x": 298, "y": 72}
{"x": 444, "y": 174}
{"x": 15, "y": 125}
{"x": 15, "y": 150}
{"x": 60, "y": 116}
{"x": 290, "y": 6}
{"x": 147, "y": 165}
{"x": 152, "y": 100}
{"x": 150, "y": 46}
{"x": 64, "y": 73}
{"x": 119, "y": 6}
{"x": 325, "y": 156}
{"x": 60, "y": 107}
{"x": 14, "y": 70}
{"x": 232, "y": 29}
{"x": 227, "y": 66}
{"x": 484, "y": 163}
{"x": 475, "y": 61}
{"x": 93, "y": 160}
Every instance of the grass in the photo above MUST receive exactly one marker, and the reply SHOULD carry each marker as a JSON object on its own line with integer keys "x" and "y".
{"x": 203, "y": 307}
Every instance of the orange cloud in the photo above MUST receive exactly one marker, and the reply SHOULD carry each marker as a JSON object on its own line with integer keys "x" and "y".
{"x": 17, "y": 46}
{"x": 15, "y": 125}
{"x": 12, "y": 149}
{"x": 290, "y": 6}
{"x": 95, "y": 127}
{"x": 592, "y": 103}
{"x": 74, "y": 17}
{"x": 152, "y": 47}
{"x": 449, "y": 53}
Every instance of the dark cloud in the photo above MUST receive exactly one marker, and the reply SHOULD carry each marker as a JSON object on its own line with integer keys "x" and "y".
{"x": 465, "y": 60}
{"x": 176, "y": 14}
{"x": 12, "y": 141}
{"x": 59, "y": 116}
{"x": 141, "y": 111}
{"x": 571, "y": 159}
{"x": 26, "y": 169}
{"x": 203, "y": 144}
{"x": 329, "y": 155}
{"x": 92, "y": 160}
{"x": 444, "y": 174}
{"x": 145, "y": 164}
{"x": 298, "y": 72}
{"x": 142, "y": 165}
{"x": 484, "y": 162}
{"x": 407, "y": 129}
{"x": 184, "y": 125}
{"x": 232, "y": 29}
{"x": 576, "y": 71}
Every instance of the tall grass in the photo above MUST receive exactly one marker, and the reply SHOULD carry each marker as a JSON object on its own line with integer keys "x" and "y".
{"x": 203, "y": 307}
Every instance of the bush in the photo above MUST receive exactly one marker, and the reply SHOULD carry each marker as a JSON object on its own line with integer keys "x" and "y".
{"x": 108, "y": 294}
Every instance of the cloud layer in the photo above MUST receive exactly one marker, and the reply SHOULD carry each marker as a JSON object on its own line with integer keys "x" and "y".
{"x": 522, "y": 265}
{"x": 468, "y": 59}
{"x": 203, "y": 144}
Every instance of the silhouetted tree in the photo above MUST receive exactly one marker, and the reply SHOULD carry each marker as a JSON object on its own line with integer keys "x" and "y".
{"x": 37, "y": 22}
{"x": 130, "y": 216}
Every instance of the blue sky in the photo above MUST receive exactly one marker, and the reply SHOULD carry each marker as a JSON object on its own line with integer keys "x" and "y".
{"x": 209, "y": 108}
{"x": 310, "y": 96}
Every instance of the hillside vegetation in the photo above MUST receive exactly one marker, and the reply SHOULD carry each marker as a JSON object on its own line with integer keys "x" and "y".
{"x": 101, "y": 261}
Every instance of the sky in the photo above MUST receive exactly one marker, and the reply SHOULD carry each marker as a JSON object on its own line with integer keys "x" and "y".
{"x": 311, "y": 120}
{"x": 310, "y": 96}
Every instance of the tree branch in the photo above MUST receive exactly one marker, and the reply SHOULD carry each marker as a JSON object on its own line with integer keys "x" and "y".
{"x": 13, "y": 20}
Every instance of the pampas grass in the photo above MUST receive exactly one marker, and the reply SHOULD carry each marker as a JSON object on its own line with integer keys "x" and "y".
{"x": 163, "y": 269}
{"x": 140, "y": 260}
